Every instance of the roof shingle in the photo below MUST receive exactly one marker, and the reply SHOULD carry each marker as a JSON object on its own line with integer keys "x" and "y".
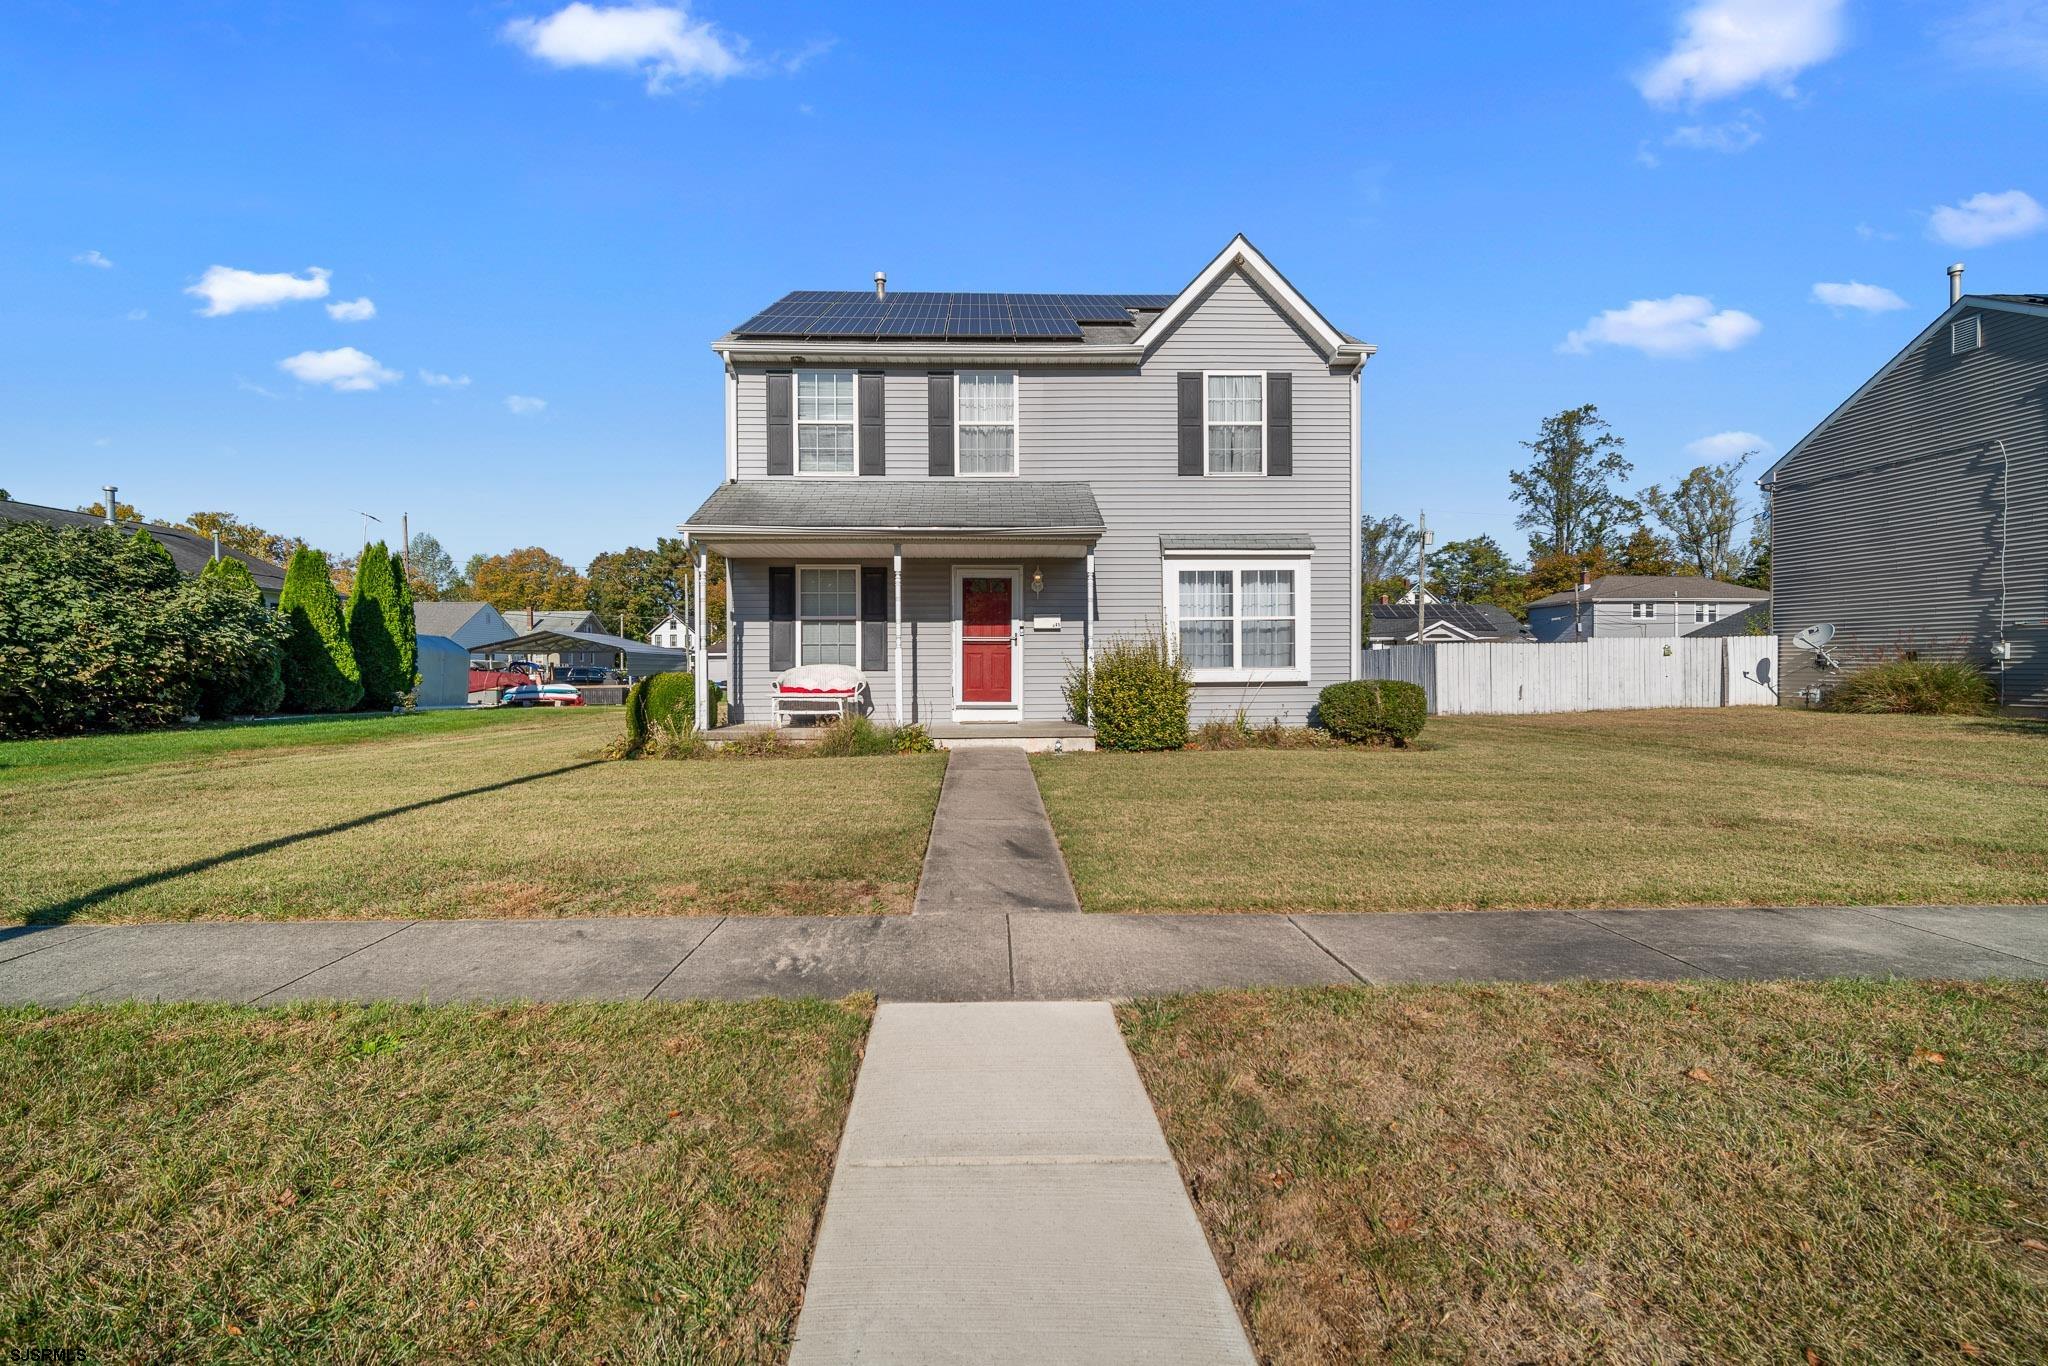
{"x": 900, "y": 505}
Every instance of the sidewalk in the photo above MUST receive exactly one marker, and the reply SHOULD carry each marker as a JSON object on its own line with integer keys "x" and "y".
{"x": 992, "y": 849}
{"x": 1004, "y": 1194}
{"x": 994, "y": 956}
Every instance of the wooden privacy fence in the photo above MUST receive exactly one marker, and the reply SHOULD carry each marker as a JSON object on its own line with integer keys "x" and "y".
{"x": 1595, "y": 675}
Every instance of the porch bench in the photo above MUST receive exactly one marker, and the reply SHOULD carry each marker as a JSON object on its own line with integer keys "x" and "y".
{"x": 832, "y": 690}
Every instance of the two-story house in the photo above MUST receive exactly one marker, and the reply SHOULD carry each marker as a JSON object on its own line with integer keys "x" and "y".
{"x": 965, "y": 495}
{"x": 1637, "y": 606}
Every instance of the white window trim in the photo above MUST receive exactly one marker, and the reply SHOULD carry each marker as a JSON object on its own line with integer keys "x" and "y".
{"x": 1704, "y": 613}
{"x": 1642, "y": 611}
{"x": 1016, "y": 426}
{"x": 1169, "y": 591}
{"x": 797, "y": 425}
{"x": 1013, "y": 710}
{"x": 1265, "y": 413}
{"x": 858, "y": 620}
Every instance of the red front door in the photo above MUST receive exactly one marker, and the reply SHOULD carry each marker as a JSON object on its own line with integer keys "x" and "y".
{"x": 985, "y": 639}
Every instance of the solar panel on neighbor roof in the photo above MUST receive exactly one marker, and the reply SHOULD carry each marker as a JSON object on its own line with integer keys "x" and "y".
{"x": 940, "y": 313}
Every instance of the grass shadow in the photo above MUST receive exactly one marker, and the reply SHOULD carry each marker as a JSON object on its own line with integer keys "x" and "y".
{"x": 62, "y": 912}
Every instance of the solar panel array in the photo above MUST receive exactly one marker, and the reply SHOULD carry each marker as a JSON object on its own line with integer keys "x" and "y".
{"x": 816, "y": 314}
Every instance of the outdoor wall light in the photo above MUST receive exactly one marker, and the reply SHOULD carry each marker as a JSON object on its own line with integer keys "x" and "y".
{"x": 1037, "y": 579}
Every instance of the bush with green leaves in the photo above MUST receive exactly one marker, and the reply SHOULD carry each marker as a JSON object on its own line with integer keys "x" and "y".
{"x": 320, "y": 672}
{"x": 241, "y": 657}
{"x": 374, "y": 630}
{"x": 1137, "y": 695}
{"x": 854, "y": 736}
{"x": 664, "y": 704}
{"x": 1373, "y": 711}
{"x": 914, "y": 739}
{"x": 1919, "y": 687}
{"x": 99, "y": 631}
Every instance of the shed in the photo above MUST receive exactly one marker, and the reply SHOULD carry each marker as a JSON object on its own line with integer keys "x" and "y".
{"x": 636, "y": 657}
{"x": 444, "y": 674}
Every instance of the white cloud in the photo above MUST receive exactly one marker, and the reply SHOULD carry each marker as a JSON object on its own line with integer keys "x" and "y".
{"x": 661, "y": 42}
{"x": 352, "y": 311}
{"x": 1736, "y": 135}
{"x": 227, "y": 290}
{"x": 524, "y": 405}
{"x": 343, "y": 369}
{"x": 435, "y": 380}
{"x": 93, "y": 258}
{"x": 1727, "y": 46}
{"x": 1870, "y": 234}
{"x": 1727, "y": 446}
{"x": 1983, "y": 219}
{"x": 1855, "y": 294}
{"x": 2012, "y": 34}
{"x": 1682, "y": 325}
{"x": 138, "y": 315}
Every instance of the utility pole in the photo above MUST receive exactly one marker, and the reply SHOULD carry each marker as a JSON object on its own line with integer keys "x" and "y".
{"x": 1421, "y": 571}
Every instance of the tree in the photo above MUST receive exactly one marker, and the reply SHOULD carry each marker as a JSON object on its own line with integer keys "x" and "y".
{"x": 123, "y": 512}
{"x": 637, "y": 588}
{"x": 236, "y": 534}
{"x": 1386, "y": 557}
{"x": 320, "y": 672}
{"x": 1702, "y": 513}
{"x": 1756, "y": 556}
{"x": 1645, "y": 552}
{"x": 1560, "y": 573}
{"x": 526, "y": 578}
{"x": 428, "y": 568}
{"x": 404, "y": 623}
{"x": 373, "y": 629}
{"x": 240, "y": 679}
{"x": 1567, "y": 496}
{"x": 1477, "y": 570}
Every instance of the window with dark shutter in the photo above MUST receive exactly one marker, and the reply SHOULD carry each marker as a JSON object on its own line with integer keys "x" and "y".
{"x": 781, "y": 457}
{"x": 1190, "y": 409}
{"x": 873, "y": 457}
{"x": 940, "y": 424}
{"x": 1279, "y": 422}
{"x": 781, "y": 617}
{"x": 874, "y": 619}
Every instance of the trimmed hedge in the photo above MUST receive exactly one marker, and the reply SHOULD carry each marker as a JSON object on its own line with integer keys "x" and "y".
{"x": 1373, "y": 710}
{"x": 664, "y": 703}
{"x": 1917, "y": 687}
{"x": 1137, "y": 698}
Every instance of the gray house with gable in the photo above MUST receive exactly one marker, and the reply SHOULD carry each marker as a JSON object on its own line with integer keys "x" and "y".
{"x": 964, "y": 495}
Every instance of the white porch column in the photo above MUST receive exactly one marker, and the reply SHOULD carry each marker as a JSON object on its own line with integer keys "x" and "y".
{"x": 700, "y": 665}
{"x": 1088, "y": 620}
{"x": 896, "y": 659}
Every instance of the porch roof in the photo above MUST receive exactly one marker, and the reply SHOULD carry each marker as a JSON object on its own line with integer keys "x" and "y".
{"x": 927, "y": 515}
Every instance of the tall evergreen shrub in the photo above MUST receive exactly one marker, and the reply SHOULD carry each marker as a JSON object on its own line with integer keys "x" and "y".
{"x": 320, "y": 671}
{"x": 372, "y": 632}
{"x": 241, "y": 658}
{"x": 405, "y": 627}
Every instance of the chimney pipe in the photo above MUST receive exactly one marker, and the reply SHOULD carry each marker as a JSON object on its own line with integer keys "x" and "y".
{"x": 110, "y": 491}
{"x": 1955, "y": 282}
{"x": 881, "y": 285}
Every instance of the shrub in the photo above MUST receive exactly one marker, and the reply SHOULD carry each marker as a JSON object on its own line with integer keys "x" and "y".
{"x": 855, "y": 736}
{"x": 1137, "y": 698}
{"x": 664, "y": 704}
{"x": 373, "y": 631}
{"x": 914, "y": 740}
{"x": 237, "y": 644}
{"x": 1237, "y": 732}
{"x": 1921, "y": 687}
{"x": 319, "y": 663}
{"x": 1373, "y": 710}
{"x": 763, "y": 744}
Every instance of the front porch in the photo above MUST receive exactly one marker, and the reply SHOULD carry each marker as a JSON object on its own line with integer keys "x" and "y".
{"x": 1034, "y": 737}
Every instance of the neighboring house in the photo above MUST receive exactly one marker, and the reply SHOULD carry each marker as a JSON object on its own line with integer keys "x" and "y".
{"x": 964, "y": 495}
{"x": 1750, "y": 621}
{"x": 1633, "y": 606}
{"x": 527, "y": 620}
{"x": 672, "y": 633}
{"x": 1448, "y": 623}
{"x": 189, "y": 550}
{"x": 1915, "y": 516}
{"x": 468, "y": 624}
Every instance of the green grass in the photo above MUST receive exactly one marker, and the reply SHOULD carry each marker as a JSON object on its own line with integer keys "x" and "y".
{"x": 511, "y": 816}
{"x": 26, "y": 760}
{"x": 619, "y": 1183}
{"x": 1745, "y": 806}
{"x": 1700, "y": 1173}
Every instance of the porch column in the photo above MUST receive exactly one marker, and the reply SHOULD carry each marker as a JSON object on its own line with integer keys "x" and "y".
{"x": 896, "y": 660}
{"x": 1088, "y": 620}
{"x": 700, "y": 665}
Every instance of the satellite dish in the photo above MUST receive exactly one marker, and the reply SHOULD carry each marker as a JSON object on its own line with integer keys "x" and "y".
{"x": 1815, "y": 638}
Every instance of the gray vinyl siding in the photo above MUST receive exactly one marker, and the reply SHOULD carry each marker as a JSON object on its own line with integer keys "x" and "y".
{"x": 1114, "y": 427}
{"x": 1887, "y": 523}
{"x": 1617, "y": 620}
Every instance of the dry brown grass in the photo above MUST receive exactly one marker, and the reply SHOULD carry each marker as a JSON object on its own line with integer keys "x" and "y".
{"x": 1835, "y": 1173}
{"x": 619, "y": 1183}
{"x": 1745, "y": 806}
{"x": 516, "y": 818}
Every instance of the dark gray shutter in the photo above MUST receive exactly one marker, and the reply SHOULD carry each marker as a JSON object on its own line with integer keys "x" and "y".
{"x": 1279, "y": 422}
{"x": 874, "y": 619}
{"x": 1190, "y": 422}
{"x": 873, "y": 453}
{"x": 781, "y": 617}
{"x": 781, "y": 460}
{"x": 941, "y": 408}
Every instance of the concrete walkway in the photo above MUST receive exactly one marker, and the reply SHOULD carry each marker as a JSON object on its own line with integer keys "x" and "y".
{"x": 992, "y": 850}
{"x": 1004, "y": 1194}
{"x": 1025, "y": 956}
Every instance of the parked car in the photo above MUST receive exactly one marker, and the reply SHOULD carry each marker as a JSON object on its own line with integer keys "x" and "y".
{"x": 582, "y": 673}
{"x": 541, "y": 695}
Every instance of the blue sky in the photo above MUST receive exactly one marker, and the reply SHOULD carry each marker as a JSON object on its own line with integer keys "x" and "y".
{"x": 1525, "y": 207}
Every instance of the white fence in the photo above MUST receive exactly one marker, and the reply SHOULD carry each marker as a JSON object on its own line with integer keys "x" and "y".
{"x": 1593, "y": 675}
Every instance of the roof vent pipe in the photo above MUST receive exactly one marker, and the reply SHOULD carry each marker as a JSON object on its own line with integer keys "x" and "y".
{"x": 881, "y": 285}
{"x": 1955, "y": 282}
{"x": 110, "y": 491}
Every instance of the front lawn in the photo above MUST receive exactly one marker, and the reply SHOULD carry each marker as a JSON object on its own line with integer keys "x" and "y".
{"x": 1744, "y": 806}
{"x": 1701, "y": 1172}
{"x": 620, "y": 1183}
{"x": 501, "y": 816}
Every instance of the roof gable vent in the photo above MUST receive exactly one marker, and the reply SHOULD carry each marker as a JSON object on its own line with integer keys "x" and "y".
{"x": 1966, "y": 334}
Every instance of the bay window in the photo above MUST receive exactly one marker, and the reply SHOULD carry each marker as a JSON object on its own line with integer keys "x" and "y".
{"x": 824, "y": 422}
{"x": 1239, "y": 620}
{"x": 828, "y": 616}
{"x": 986, "y": 441}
